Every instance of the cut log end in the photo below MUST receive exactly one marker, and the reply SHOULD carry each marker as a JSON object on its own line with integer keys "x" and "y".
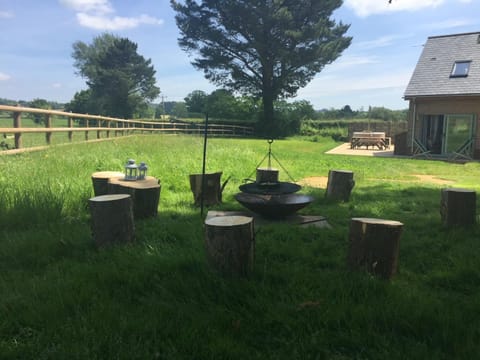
{"x": 374, "y": 246}
{"x": 112, "y": 219}
{"x": 230, "y": 244}
{"x": 458, "y": 207}
{"x": 340, "y": 184}
{"x": 100, "y": 181}
{"x": 145, "y": 194}
{"x": 211, "y": 191}
{"x": 267, "y": 175}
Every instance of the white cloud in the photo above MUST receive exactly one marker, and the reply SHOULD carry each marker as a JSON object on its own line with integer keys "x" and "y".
{"x": 382, "y": 41}
{"x": 6, "y": 15}
{"x": 350, "y": 61}
{"x": 56, "y": 85}
{"x": 4, "y": 77}
{"x": 116, "y": 22}
{"x": 96, "y": 6}
{"x": 449, "y": 24}
{"x": 364, "y": 8}
{"x": 99, "y": 15}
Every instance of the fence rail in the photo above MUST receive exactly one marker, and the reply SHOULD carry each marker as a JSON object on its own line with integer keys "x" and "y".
{"x": 104, "y": 125}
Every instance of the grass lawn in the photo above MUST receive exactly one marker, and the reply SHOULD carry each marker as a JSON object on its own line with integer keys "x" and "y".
{"x": 61, "y": 298}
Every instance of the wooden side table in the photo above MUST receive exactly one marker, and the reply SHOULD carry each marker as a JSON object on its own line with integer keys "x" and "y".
{"x": 145, "y": 194}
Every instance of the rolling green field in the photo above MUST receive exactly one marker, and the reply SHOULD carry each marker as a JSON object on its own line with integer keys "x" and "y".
{"x": 157, "y": 298}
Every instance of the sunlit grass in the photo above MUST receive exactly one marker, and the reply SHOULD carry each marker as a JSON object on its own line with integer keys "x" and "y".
{"x": 157, "y": 298}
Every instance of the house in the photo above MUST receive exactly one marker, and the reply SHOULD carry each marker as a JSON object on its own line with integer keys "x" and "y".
{"x": 444, "y": 98}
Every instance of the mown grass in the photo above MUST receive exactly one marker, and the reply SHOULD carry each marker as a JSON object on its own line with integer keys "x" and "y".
{"x": 60, "y": 297}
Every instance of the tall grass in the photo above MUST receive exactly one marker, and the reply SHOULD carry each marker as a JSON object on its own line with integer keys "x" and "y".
{"x": 60, "y": 297}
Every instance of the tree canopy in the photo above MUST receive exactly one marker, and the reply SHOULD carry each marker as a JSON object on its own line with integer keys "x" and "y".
{"x": 263, "y": 48}
{"x": 121, "y": 82}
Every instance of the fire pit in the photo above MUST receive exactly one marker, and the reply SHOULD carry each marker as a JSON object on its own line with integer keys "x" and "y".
{"x": 269, "y": 197}
{"x": 278, "y": 188}
{"x": 274, "y": 206}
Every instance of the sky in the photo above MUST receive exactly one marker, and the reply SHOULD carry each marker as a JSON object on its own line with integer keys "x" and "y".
{"x": 36, "y": 39}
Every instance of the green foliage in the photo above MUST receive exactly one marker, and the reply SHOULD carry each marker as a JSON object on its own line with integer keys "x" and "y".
{"x": 338, "y": 131}
{"x": 377, "y": 113}
{"x": 82, "y": 103}
{"x": 180, "y": 110}
{"x": 39, "y": 104}
{"x": 266, "y": 49}
{"x": 121, "y": 82}
{"x": 196, "y": 101}
{"x": 387, "y": 114}
{"x": 158, "y": 298}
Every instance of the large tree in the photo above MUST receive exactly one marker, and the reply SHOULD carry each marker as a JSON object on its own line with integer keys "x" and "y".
{"x": 121, "y": 82}
{"x": 196, "y": 101}
{"x": 265, "y": 48}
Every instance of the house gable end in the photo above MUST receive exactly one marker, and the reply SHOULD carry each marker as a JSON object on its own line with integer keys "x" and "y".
{"x": 433, "y": 73}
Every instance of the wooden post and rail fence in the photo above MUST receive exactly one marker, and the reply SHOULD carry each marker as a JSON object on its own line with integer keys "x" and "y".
{"x": 99, "y": 125}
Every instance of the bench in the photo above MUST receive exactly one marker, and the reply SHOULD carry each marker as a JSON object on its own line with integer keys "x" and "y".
{"x": 367, "y": 139}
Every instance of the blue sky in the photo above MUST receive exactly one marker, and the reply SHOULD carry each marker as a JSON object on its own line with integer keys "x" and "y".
{"x": 36, "y": 40}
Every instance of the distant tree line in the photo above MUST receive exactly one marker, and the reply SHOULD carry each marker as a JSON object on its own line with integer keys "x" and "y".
{"x": 379, "y": 113}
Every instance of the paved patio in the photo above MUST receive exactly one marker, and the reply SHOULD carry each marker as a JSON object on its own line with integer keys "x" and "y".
{"x": 344, "y": 149}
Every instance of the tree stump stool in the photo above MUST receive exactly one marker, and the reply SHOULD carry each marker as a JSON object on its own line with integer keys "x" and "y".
{"x": 100, "y": 181}
{"x": 340, "y": 184}
{"x": 212, "y": 191}
{"x": 266, "y": 175}
{"x": 458, "y": 207}
{"x": 374, "y": 246}
{"x": 230, "y": 244}
{"x": 112, "y": 219}
{"x": 145, "y": 194}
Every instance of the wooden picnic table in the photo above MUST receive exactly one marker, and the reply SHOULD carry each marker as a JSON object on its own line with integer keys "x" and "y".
{"x": 370, "y": 138}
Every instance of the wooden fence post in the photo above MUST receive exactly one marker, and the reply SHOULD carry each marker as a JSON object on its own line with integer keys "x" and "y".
{"x": 17, "y": 123}
{"x": 86, "y": 131}
{"x": 99, "y": 124}
{"x": 70, "y": 125}
{"x": 48, "y": 124}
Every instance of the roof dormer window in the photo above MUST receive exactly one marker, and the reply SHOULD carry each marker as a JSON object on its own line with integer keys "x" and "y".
{"x": 460, "y": 69}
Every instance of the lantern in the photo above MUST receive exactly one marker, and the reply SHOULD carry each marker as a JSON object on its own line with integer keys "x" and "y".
{"x": 131, "y": 170}
{"x": 142, "y": 171}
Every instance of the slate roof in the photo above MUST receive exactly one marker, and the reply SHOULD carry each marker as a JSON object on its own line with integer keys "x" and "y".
{"x": 431, "y": 76}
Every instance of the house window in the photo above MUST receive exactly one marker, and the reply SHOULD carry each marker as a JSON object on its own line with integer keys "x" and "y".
{"x": 460, "y": 69}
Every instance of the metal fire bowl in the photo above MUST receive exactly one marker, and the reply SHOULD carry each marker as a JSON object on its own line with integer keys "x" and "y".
{"x": 274, "y": 206}
{"x": 277, "y": 188}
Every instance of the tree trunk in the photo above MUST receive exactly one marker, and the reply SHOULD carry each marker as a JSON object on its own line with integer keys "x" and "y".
{"x": 145, "y": 194}
{"x": 340, "y": 184}
{"x": 112, "y": 219}
{"x": 212, "y": 191}
{"x": 458, "y": 207}
{"x": 374, "y": 246}
{"x": 100, "y": 181}
{"x": 268, "y": 129}
{"x": 230, "y": 244}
